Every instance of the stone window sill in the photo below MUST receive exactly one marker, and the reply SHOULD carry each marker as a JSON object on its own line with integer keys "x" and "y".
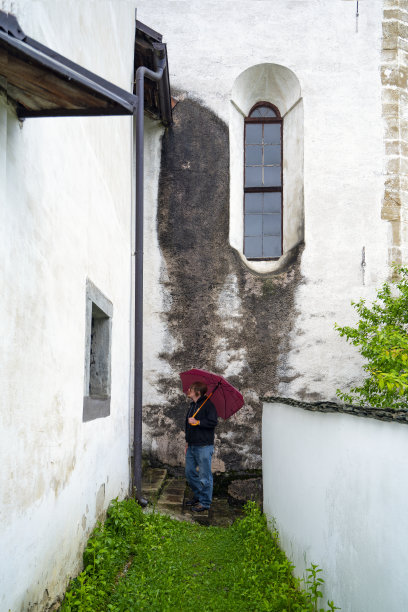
{"x": 96, "y": 407}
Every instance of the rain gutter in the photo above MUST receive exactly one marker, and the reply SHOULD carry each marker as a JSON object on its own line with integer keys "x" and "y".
{"x": 141, "y": 73}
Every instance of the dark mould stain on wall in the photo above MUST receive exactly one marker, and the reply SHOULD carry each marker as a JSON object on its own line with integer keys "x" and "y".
{"x": 193, "y": 225}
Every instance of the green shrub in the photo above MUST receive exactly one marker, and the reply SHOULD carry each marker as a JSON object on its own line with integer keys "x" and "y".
{"x": 107, "y": 550}
{"x": 381, "y": 337}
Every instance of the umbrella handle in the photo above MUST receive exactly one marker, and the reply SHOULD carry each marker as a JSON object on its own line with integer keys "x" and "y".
{"x": 197, "y": 411}
{"x": 206, "y": 399}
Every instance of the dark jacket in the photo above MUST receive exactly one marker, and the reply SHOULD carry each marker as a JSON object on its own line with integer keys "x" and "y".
{"x": 202, "y": 434}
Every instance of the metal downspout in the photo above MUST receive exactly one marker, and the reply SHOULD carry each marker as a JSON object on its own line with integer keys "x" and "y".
{"x": 141, "y": 72}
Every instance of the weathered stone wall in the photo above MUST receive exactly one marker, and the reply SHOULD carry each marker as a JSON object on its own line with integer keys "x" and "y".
{"x": 394, "y": 76}
{"x": 223, "y": 316}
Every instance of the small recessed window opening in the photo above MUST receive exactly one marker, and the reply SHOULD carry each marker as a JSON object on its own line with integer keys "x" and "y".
{"x": 97, "y": 386}
{"x": 99, "y": 361}
{"x": 263, "y": 183}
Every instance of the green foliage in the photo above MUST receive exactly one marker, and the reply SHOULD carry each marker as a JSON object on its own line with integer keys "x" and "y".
{"x": 381, "y": 336}
{"x": 150, "y": 562}
{"x": 314, "y": 582}
{"x": 272, "y": 573}
{"x": 107, "y": 550}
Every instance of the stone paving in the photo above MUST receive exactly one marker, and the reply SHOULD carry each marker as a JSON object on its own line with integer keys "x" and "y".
{"x": 172, "y": 496}
{"x": 168, "y": 495}
{"x": 152, "y": 482}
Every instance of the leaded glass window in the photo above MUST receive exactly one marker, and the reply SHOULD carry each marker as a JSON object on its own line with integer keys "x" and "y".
{"x": 263, "y": 183}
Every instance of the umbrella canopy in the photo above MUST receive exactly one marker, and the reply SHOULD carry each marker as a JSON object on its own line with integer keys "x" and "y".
{"x": 226, "y": 399}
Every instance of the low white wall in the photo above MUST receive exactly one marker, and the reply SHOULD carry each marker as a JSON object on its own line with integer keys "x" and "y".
{"x": 336, "y": 486}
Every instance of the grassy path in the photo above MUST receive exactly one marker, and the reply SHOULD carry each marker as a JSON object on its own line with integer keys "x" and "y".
{"x": 149, "y": 562}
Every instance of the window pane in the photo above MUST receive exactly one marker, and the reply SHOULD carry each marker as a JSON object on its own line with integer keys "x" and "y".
{"x": 253, "y": 177}
{"x": 263, "y": 170}
{"x": 272, "y": 202}
{"x": 253, "y": 225}
{"x": 272, "y": 176}
{"x": 253, "y": 133}
{"x": 272, "y": 133}
{"x": 272, "y": 224}
{"x": 263, "y": 111}
{"x": 271, "y": 246}
{"x": 272, "y": 154}
{"x": 253, "y": 155}
{"x": 253, "y": 202}
{"x": 253, "y": 247}
{"x": 267, "y": 111}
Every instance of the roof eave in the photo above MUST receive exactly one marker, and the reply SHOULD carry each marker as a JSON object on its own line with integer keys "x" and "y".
{"x": 112, "y": 99}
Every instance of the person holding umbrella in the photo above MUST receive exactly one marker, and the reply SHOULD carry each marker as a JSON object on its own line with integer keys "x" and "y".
{"x": 201, "y": 420}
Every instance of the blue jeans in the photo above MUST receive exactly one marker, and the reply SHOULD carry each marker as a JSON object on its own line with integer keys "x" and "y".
{"x": 201, "y": 482}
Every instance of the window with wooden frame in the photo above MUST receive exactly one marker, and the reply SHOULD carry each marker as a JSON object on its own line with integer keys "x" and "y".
{"x": 263, "y": 183}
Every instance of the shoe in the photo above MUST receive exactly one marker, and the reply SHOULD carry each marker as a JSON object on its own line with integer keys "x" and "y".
{"x": 198, "y": 508}
{"x": 191, "y": 502}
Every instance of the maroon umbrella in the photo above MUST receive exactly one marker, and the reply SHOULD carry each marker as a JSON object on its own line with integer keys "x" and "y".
{"x": 226, "y": 399}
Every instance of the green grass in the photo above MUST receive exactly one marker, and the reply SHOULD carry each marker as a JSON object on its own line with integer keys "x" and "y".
{"x": 149, "y": 562}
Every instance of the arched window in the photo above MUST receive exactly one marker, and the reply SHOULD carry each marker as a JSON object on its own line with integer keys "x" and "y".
{"x": 263, "y": 183}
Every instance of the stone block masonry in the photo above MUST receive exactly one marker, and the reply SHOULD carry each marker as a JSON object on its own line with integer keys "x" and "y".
{"x": 394, "y": 71}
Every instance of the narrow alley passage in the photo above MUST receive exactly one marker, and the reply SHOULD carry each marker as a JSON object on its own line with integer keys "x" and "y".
{"x": 162, "y": 559}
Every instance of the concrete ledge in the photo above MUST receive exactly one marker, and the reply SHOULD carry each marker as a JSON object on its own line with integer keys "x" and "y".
{"x": 95, "y": 408}
{"x": 398, "y": 416}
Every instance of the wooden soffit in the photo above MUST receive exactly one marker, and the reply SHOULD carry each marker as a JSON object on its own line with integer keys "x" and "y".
{"x": 149, "y": 47}
{"x": 42, "y": 83}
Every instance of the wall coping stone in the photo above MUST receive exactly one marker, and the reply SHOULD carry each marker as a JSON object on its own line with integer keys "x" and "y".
{"x": 397, "y": 416}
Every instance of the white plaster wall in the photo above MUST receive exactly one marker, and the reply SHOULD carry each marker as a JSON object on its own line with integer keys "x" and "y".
{"x": 210, "y": 44}
{"x": 293, "y": 179}
{"x": 335, "y": 484}
{"x": 65, "y": 216}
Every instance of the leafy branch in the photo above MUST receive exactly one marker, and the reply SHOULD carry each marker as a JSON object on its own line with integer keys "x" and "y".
{"x": 381, "y": 337}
